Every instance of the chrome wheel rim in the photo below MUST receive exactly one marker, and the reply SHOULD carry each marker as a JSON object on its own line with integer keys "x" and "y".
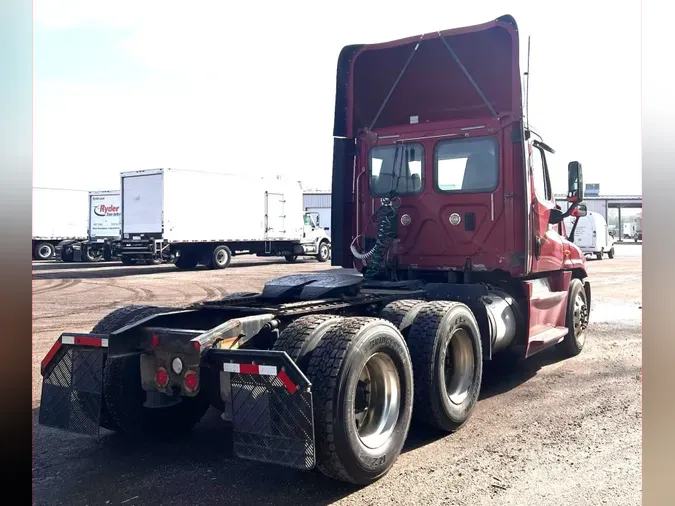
{"x": 324, "y": 251}
{"x": 221, "y": 257}
{"x": 580, "y": 319}
{"x": 377, "y": 401}
{"x": 44, "y": 252}
{"x": 459, "y": 366}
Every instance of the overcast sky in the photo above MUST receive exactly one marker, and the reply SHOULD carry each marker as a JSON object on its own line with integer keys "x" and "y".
{"x": 129, "y": 85}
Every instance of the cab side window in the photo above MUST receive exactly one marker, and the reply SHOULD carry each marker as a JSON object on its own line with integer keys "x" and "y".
{"x": 542, "y": 184}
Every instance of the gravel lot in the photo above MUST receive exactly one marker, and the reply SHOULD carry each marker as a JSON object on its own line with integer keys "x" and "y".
{"x": 553, "y": 432}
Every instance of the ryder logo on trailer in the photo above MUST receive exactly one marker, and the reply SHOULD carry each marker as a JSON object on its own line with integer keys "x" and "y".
{"x": 103, "y": 210}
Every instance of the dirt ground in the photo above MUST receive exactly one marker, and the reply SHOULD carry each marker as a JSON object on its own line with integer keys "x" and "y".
{"x": 552, "y": 432}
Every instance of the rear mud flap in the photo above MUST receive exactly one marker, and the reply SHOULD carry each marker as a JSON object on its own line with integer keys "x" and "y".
{"x": 72, "y": 389}
{"x": 269, "y": 402}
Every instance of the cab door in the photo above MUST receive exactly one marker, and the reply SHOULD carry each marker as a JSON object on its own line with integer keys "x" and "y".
{"x": 547, "y": 244}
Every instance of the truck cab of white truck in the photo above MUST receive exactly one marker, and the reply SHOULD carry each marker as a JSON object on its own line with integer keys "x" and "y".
{"x": 315, "y": 240}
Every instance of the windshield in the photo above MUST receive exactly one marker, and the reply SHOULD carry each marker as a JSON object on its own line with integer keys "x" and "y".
{"x": 398, "y": 167}
{"x": 466, "y": 165}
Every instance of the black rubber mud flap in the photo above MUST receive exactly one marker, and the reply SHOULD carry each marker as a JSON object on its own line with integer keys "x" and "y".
{"x": 72, "y": 389}
{"x": 269, "y": 403}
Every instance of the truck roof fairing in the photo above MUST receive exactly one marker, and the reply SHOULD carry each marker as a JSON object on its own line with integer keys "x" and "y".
{"x": 465, "y": 72}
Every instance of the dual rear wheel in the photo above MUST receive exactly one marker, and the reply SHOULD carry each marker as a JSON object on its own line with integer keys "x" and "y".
{"x": 371, "y": 376}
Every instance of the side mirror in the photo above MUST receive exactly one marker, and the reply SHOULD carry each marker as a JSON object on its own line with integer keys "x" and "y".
{"x": 575, "y": 182}
{"x": 580, "y": 211}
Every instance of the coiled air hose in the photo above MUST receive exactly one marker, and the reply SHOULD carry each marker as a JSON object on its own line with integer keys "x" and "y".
{"x": 385, "y": 217}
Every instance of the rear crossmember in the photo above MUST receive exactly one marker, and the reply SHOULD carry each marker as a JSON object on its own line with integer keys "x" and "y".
{"x": 267, "y": 398}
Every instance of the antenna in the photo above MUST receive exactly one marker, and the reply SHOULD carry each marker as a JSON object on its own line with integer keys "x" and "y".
{"x": 527, "y": 88}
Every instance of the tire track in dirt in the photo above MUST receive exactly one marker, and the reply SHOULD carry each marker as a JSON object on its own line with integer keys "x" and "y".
{"x": 137, "y": 295}
{"x": 59, "y": 285}
{"x": 212, "y": 293}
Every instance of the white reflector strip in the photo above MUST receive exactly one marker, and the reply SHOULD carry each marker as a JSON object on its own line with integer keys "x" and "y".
{"x": 263, "y": 370}
{"x": 68, "y": 340}
{"x": 104, "y": 343}
{"x": 267, "y": 370}
{"x": 231, "y": 368}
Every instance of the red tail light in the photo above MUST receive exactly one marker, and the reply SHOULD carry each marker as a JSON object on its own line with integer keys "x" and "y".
{"x": 161, "y": 378}
{"x": 191, "y": 381}
{"x": 155, "y": 340}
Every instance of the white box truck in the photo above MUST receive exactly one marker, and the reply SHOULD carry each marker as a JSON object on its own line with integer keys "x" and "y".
{"x": 103, "y": 230}
{"x": 192, "y": 217}
{"x": 591, "y": 235}
{"x": 59, "y": 214}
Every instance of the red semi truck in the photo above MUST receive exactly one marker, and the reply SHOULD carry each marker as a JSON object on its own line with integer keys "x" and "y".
{"x": 442, "y": 202}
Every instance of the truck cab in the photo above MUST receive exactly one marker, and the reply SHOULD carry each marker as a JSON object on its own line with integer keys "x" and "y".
{"x": 315, "y": 241}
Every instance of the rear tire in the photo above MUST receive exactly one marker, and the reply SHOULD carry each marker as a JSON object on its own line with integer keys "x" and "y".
{"x": 291, "y": 259}
{"x": 186, "y": 261}
{"x": 302, "y": 336}
{"x": 447, "y": 357}
{"x": 67, "y": 254}
{"x": 221, "y": 257}
{"x": 123, "y": 395}
{"x": 44, "y": 251}
{"x": 324, "y": 252}
{"x": 598, "y": 255}
{"x": 610, "y": 253}
{"x": 363, "y": 391}
{"x": 402, "y": 313}
{"x": 576, "y": 320}
{"x": 92, "y": 257}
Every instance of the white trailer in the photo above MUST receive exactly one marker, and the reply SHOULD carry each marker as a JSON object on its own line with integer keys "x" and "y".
{"x": 58, "y": 215}
{"x": 591, "y": 235}
{"x": 194, "y": 217}
{"x": 103, "y": 230}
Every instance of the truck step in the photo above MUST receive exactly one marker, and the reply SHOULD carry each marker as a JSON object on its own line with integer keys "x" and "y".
{"x": 546, "y": 339}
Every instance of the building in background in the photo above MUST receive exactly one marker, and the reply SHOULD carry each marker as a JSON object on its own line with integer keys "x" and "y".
{"x": 592, "y": 190}
{"x": 319, "y": 202}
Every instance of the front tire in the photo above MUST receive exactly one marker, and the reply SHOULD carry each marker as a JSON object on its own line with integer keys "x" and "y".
{"x": 610, "y": 253}
{"x": 576, "y": 320}
{"x": 363, "y": 391}
{"x": 447, "y": 357}
{"x": 324, "y": 252}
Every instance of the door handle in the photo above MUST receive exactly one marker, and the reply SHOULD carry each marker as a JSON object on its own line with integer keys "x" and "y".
{"x": 537, "y": 247}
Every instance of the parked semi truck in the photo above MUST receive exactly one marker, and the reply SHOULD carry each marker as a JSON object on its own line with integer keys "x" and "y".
{"x": 458, "y": 256}
{"x": 103, "y": 231}
{"x": 59, "y": 214}
{"x": 194, "y": 217}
